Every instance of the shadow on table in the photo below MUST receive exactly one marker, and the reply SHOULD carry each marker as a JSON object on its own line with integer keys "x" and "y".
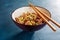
{"x": 23, "y": 36}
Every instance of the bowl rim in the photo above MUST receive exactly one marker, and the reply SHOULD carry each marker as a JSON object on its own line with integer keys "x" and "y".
{"x": 28, "y": 6}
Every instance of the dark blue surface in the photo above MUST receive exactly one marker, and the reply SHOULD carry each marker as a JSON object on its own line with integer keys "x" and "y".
{"x": 9, "y": 31}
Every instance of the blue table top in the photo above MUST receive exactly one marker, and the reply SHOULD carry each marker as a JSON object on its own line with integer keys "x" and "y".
{"x": 9, "y": 31}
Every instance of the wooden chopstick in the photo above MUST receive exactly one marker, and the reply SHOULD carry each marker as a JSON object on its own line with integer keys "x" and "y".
{"x": 33, "y": 7}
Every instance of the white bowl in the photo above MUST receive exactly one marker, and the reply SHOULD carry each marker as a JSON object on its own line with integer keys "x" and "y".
{"x": 18, "y": 12}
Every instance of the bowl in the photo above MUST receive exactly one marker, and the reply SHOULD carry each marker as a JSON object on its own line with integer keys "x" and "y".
{"x": 18, "y": 12}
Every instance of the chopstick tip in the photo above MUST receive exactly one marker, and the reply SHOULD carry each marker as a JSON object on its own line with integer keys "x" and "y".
{"x": 54, "y": 30}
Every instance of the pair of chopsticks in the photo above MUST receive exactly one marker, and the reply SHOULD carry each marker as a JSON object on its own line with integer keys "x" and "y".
{"x": 43, "y": 15}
